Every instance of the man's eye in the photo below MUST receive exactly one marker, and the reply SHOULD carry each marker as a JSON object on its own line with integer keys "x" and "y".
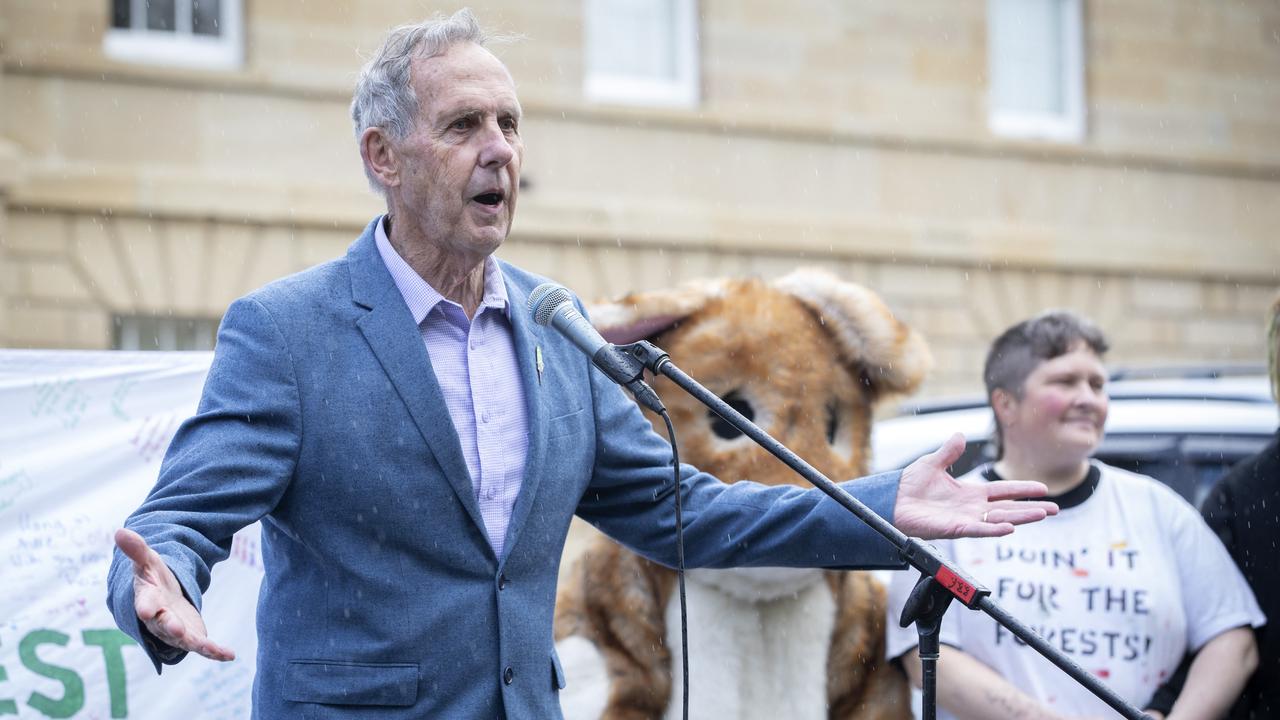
{"x": 461, "y": 124}
{"x": 508, "y": 124}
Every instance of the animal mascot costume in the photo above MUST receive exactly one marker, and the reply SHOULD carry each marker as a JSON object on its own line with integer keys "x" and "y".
{"x": 806, "y": 358}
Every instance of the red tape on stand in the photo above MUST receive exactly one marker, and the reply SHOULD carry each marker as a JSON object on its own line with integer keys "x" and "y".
{"x": 955, "y": 585}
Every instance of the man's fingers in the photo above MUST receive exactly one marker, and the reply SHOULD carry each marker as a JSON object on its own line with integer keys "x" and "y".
{"x": 1014, "y": 489}
{"x": 986, "y": 529}
{"x": 946, "y": 456}
{"x": 134, "y": 547}
{"x": 214, "y": 651}
{"x": 1016, "y": 516}
{"x": 170, "y": 629}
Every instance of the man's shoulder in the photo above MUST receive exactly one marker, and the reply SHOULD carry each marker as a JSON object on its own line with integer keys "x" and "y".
{"x": 519, "y": 277}
{"x": 321, "y": 283}
{"x": 1256, "y": 474}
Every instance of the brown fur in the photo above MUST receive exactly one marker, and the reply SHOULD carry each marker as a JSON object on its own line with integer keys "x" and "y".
{"x": 807, "y": 352}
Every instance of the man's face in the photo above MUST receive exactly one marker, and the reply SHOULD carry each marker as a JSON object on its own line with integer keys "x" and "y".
{"x": 1060, "y": 417}
{"x": 460, "y": 166}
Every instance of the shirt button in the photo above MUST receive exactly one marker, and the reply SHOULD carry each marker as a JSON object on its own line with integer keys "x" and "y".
{"x": 484, "y": 417}
{"x": 502, "y": 582}
{"x": 508, "y": 675}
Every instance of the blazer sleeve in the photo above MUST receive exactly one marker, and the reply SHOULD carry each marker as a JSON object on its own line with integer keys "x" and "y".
{"x": 631, "y": 499}
{"x": 227, "y": 466}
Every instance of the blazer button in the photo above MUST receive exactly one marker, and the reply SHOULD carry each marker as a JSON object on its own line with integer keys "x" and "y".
{"x": 502, "y": 581}
{"x": 508, "y": 675}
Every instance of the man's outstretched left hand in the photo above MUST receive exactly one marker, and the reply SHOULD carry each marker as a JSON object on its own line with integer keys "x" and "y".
{"x": 932, "y": 505}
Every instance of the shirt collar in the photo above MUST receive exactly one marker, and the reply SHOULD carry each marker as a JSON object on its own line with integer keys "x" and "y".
{"x": 418, "y": 293}
{"x": 1067, "y": 500}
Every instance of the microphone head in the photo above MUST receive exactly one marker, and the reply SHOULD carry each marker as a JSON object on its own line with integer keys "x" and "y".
{"x": 545, "y": 299}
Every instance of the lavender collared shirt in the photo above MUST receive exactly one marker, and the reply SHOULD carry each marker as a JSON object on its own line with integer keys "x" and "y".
{"x": 475, "y": 365}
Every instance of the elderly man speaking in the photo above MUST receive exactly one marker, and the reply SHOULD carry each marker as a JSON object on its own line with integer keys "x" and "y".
{"x": 415, "y": 446}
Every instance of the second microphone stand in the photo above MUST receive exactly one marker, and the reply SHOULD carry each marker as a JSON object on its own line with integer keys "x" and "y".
{"x": 939, "y": 583}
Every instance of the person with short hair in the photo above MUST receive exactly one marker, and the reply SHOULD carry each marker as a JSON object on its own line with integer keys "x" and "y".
{"x": 1244, "y": 510}
{"x": 1123, "y": 580}
{"x": 415, "y": 446}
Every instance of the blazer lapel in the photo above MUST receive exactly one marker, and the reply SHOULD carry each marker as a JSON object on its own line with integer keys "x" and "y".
{"x": 528, "y": 339}
{"x": 395, "y": 340}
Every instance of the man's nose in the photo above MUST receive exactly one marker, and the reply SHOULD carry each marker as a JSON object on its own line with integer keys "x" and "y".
{"x": 496, "y": 148}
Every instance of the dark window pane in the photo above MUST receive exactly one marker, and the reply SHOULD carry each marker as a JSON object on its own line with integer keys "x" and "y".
{"x": 152, "y": 332}
{"x": 160, "y": 15}
{"x": 205, "y": 17}
{"x": 120, "y": 14}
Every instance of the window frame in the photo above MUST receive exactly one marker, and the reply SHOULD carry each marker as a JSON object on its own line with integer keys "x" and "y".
{"x": 1069, "y": 125}
{"x": 683, "y": 91}
{"x": 127, "y": 332}
{"x": 179, "y": 47}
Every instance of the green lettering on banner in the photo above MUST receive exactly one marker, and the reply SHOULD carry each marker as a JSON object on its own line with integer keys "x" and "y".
{"x": 111, "y": 641}
{"x": 7, "y": 706}
{"x": 73, "y": 694}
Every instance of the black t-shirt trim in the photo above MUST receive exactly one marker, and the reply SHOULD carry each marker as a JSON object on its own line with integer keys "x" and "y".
{"x": 1069, "y": 499}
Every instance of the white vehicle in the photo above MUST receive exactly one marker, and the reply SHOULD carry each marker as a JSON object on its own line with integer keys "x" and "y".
{"x": 1185, "y": 432}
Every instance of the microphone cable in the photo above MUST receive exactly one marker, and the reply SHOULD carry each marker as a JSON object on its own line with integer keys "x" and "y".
{"x": 684, "y": 608}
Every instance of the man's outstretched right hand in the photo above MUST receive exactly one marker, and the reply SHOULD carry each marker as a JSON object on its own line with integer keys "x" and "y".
{"x": 160, "y": 603}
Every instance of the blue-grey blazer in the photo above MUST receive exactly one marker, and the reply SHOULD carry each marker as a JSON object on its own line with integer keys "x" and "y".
{"x": 322, "y": 418}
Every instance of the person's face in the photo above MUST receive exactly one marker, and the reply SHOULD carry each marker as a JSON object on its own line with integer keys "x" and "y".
{"x": 459, "y": 170}
{"x": 1060, "y": 417}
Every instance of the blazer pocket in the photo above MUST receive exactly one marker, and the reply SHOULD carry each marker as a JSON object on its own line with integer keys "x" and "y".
{"x": 557, "y": 671}
{"x": 563, "y": 425}
{"x": 330, "y": 682}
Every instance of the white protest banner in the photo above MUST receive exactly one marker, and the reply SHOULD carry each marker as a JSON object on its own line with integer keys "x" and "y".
{"x": 81, "y": 439}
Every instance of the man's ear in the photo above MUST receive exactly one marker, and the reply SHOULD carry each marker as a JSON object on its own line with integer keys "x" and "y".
{"x": 380, "y": 156}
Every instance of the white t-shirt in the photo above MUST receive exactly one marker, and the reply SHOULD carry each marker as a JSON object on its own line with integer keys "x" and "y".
{"x": 1122, "y": 583}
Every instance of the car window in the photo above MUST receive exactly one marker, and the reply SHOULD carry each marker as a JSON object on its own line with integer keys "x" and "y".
{"x": 975, "y": 453}
{"x": 1190, "y": 464}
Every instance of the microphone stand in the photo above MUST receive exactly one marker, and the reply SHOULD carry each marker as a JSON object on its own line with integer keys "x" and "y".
{"x": 939, "y": 582}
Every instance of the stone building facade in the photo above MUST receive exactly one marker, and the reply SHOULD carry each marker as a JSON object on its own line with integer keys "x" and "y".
{"x": 854, "y": 136}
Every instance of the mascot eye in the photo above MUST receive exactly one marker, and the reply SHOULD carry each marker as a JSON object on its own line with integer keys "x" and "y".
{"x": 724, "y": 429}
{"x": 833, "y": 421}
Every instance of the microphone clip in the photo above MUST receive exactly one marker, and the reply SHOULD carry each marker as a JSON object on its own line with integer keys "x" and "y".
{"x": 625, "y": 365}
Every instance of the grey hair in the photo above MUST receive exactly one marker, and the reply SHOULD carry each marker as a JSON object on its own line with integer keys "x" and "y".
{"x": 384, "y": 96}
{"x": 1020, "y": 349}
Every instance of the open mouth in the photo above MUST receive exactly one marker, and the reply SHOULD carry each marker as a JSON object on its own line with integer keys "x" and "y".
{"x": 492, "y": 198}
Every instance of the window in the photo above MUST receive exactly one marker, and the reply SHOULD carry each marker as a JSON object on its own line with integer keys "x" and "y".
{"x": 163, "y": 332}
{"x": 641, "y": 52}
{"x": 1035, "y": 59}
{"x": 188, "y": 33}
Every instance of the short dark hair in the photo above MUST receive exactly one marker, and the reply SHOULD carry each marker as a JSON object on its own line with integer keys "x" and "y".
{"x": 1020, "y": 350}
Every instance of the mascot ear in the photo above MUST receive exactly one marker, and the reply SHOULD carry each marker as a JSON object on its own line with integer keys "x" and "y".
{"x": 644, "y": 315}
{"x": 893, "y": 357}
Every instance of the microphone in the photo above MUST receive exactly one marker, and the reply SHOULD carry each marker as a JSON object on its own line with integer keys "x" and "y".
{"x": 552, "y": 304}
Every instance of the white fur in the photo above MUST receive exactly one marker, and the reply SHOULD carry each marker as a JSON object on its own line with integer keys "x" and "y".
{"x": 763, "y": 659}
{"x": 756, "y": 584}
{"x": 586, "y": 688}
